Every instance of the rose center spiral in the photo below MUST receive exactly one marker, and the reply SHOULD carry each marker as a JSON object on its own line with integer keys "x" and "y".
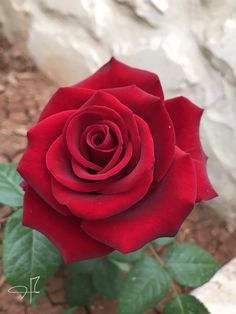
{"x": 100, "y": 137}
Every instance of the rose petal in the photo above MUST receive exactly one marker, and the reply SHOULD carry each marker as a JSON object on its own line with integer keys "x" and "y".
{"x": 32, "y": 166}
{"x": 159, "y": 214}
{"x": 84, "y": 118}
{"x": 117, "y": 74}
{"x": 66, "y": 98}
{"x": 134, "y": 188}
{"x": 119, "y": 149}
{"x": 146, "y": 162}
{"x": 186, "y": 119}
{"x": 95, "y": 206}
{"x": 82, "y": 172}
{"x": 101, "y": 144}
{"x": 59, "y": 164}
{"x": 64, "y": 232}
{"x": 205, "y": 191}
{"x": 152, "y": 110}
{"x": 108, "y": 101}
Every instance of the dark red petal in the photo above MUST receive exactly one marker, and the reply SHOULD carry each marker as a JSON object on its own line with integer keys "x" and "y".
{"x": 32, "y": 166}
{"x": 64, "y": 232}
{"x": 129, "y": 191}
{"x": 100, "y": 142}
{"x": 108, "y": 101}
{"x": 159, "y": 214}
{"x": 205, "y": 191}
{"x": 117, "y": 74}
{"x": 186, "y": 119}
{"x": 59, "y": 164}
{"x": 119, "y": 149}
{"x": 66, "y": 98}
{"x": 152, "y": 110}
{"x": 145, "y": 164}
{"x": 85, "y": 117}
{"x": 82, "y": 172}
{"x": 96, "y": 206}
{"x": 116, "y": 150}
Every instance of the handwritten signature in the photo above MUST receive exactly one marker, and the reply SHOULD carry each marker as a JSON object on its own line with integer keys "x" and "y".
{"x": 23, "y": 290}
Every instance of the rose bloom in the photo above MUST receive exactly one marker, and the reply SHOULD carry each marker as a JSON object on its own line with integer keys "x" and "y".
{"x": 111, "y": 165}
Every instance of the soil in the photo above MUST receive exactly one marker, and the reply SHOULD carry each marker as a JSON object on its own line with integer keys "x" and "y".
{"x": 24, "y": 90}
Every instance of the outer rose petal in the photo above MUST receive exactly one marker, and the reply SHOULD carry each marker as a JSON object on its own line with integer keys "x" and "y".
{"x": 159, "y": 214}
{"x": 153, "y": 111}
{"x": 117, "y": 74}
{"x": 32, "y": 166}
{"x": 90, "y": 206}
{"x": 64, "y": 232}
{"x": 186, "y": 119}
{"x": 66, "y": 98}
{"x": 205, "y": 191}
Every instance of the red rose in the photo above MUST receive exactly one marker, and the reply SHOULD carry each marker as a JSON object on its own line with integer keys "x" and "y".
{"x": 111, "y": 165}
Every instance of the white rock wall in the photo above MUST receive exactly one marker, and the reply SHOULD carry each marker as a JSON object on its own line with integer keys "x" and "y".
{"x": 219, "y": 294}
{"x": 191, "y": 44}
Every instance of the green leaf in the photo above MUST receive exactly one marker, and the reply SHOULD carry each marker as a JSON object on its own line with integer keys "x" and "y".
{"x": 79, "y": 290}
{"x": 11, "y": 193}
{"x": 124, "y": 267}
{"x": 27, "y": 254}
{"x": 83, "y": 267}
{"x": 70, "y": 310}
{"x": 107, "y": 279}
{"x": 145, "y": 285}
{"x": 190, "y": 265}
{"x": 185, "y": 304}
{"x": 164, "y": 241}
{"x": 125, "y": 258}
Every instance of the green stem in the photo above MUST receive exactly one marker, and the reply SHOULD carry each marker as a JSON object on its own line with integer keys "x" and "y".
{"x": 157, "y": 257}
{"x": 160, "y": 260}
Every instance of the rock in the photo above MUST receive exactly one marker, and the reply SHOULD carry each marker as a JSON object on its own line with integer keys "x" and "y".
{"x": 2, "y": 88}
{"x": 192, "y": 50}
{"x": 219, "y": 294}
{"x": 161, "y": 5}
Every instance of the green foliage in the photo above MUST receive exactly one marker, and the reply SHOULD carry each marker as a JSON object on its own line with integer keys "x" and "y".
{"x": 83, "y": 267}
{"x": 11, "y": 193}
{"x": 79, "y": 290}
{"x": 164, "y": 241}
{"x": 124, "y": 267}
{"x": 27, "y": 254}
{"x": 145, "y": 285}
{"x": 125, "y": 258}
{"x": 185, "y": 304}
{"x": 107, "y": 279}
{"x": 70, "y": 310}
{"x": 190, "y": 265}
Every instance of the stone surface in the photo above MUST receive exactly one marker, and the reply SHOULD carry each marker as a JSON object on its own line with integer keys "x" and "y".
{"x": 189, "y": 43}
{"x": 219, "y": 294}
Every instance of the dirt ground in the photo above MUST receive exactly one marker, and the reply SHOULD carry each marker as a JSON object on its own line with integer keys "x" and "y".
{"x": 24, "y": 90}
